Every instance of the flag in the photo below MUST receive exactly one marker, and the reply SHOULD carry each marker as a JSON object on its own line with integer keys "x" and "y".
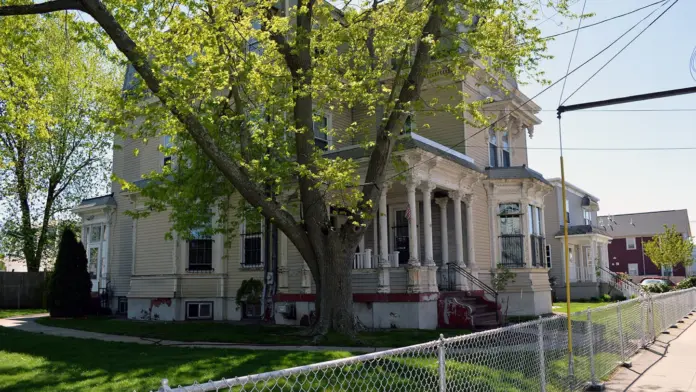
{"x": 408, "y": 212}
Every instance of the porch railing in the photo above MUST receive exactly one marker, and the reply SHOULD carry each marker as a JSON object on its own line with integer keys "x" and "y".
{"x": 366, "y": 259}
{"x": 512, "y": 250}
{"x": 626, "y": 286}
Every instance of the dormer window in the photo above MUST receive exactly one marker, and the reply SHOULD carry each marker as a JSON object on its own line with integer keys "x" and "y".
{"x": 499, "y": 148}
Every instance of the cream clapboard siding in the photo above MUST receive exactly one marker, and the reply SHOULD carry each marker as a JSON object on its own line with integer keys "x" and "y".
{"x": 153, "y": 253}
{"x": 121, "y": 240}
{"x": 340, "y": 120}
{"x": 552, "y": 223}
{"x": 482, "y": 240}
{"x": 201, "y": 286}
{"x": 518, "y": 152}
{"x": 153, "y": 287}
{"x": 442, "y": 127}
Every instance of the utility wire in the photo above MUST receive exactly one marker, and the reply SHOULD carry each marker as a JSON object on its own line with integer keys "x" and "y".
{"x": 520, "y": 106}
{"x": 595, "y": 148}
{"x": 605, "y": 20}
{"x": 603, "y": 110}
{"x": 620, "y": 51}
{"x": 572, "y": 52}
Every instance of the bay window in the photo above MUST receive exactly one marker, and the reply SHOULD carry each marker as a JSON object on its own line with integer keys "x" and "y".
{"x": 511, "y": 238}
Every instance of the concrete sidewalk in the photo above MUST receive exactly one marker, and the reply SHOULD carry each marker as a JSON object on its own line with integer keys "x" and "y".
{"x": 668, "y": 365}
{"x": 28, "y": 324}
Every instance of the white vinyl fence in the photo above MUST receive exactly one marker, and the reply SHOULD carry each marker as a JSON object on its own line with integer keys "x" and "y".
{"x": 531, "y": 356}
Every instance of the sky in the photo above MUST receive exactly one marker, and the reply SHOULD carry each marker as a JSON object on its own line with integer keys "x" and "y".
{"x": 624, "y": 181}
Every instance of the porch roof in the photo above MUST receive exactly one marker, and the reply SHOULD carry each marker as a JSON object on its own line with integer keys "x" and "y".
{"x": 503, "y": 173}
{"x": 583, "y": 230}
{"x": 407, "y": 142}
{"x": 105, "y": 200}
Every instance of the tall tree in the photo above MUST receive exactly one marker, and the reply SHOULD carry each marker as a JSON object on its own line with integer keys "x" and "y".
{"x": 69, "y": 287}
{"x": 240, "y": 86}
{"x": 54, "y": 144}
{"x": 669, "y": 249}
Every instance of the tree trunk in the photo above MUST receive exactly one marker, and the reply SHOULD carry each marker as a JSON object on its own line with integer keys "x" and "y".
{"x": 335, "y": 298}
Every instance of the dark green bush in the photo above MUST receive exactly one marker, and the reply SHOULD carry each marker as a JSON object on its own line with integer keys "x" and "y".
{"x": 69, "y": 288}
{"x": 687, "y": 283}
{"x": 605, "y": 298}
{"x": 656, "y": 288}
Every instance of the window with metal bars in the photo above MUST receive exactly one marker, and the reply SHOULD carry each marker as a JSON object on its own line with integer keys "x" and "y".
{"x": 252, "y": 241}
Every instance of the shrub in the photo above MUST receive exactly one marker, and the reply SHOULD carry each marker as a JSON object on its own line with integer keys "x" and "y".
{"x": 618, "y": 297}
{"x": 656, "y": 288}
{"x": 687, "y": 283}
{"x": 69, "y": 288}
{"x": 605, "y": 298}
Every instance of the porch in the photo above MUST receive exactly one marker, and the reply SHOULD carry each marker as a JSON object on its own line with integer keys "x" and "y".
{"x": 588, "y": 261}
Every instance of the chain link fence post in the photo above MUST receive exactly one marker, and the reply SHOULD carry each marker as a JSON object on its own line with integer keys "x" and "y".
{"x": 593, "y": 384}
{"x": 165, "y": 386}
{"x": 542, "y": 358}
{"x": 441, "y": 363}
{"x": 624, "y": 361}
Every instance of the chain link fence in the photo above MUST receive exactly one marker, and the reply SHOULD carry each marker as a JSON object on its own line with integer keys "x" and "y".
{"x": 531, "y": 356}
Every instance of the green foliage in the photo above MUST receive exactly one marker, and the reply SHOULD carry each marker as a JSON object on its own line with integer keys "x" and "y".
{"x": 656, "y": 288}
{"x": 55, "y": 97}
{"x": 687, "y": 283}
{"x": 669, "y": 249}
{"x": 501, "y": 277}
{"x": 69, "y": 290}
{"x": 249, "y": 292}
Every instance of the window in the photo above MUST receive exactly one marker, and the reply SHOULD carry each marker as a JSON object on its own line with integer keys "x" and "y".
{"x": 567, "y": 205}
{"x": 492, "y": 149}
{"x": 631, "y": 243}
{"x": 633, "y": 269}
{"x": 200, "y": 252}
{"x": 511, "y": 240}
{"x": 530, "y": 214}
{"x": 409, "y": 125}
{"x": 320, "y": 127}
{"x": 506, "y": 149}
{"x": 122, "y": 305}
{"x": 667, "y": 270}
{"x": 587, "y": 216}
{"x": 253, "y": 44}
{"x": 538, "y": 220}
{"x": 199, "y": 310}
{"x": 252, "y": 241}
{"x": 509, "y": 219}
{"x": 166, "y": 144}
{"x": 251, "y": 311}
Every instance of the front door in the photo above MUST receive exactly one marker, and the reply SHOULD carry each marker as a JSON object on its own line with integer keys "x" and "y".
{"x": 400, "y": 230}
{"x": 94, "y": 235}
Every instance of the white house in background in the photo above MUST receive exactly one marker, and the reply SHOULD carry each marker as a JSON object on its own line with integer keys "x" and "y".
{"x": 587, "y": 242}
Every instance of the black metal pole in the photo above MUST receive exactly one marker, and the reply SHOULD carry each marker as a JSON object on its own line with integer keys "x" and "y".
{"x": 631, "y": 98}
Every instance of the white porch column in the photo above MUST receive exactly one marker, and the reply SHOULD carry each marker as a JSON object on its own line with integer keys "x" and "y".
{"x": 526, "y": 234}
{"x": 458, "y": 232}
{"x": 375, "y": 231}
{"x": 593, "y": 256}
{"x": 282, "y": 262}
{"x": 442, "y": 202}
{"x": 413, "y": 223}
{"x": 427, "y": 189}
{"x": 383, "y": 285}
{"x": 471, "y": 256}
{"x": 383, "y": 233}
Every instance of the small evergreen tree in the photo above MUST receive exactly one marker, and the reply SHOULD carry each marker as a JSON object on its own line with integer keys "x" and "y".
{"x": 69, "y": 290}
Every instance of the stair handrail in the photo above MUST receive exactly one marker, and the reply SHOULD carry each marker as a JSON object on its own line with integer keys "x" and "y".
{"x": 638, "y": 288}
{"x": 478, "y": 282}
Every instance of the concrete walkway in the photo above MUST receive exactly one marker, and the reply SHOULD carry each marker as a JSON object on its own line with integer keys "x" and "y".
{"x": 666, "y": 366}
{"x": 28, "y": 324}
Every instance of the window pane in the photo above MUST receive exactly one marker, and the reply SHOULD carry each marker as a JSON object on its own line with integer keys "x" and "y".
{"x": 492, "y": 155}
{"x": 321, "y": 139}
{"x": 506, "y": 159}
{"x": 192, "y": 310}
{"x": 506, "y": 144}
{"x": 201, "y": 255}
{"x": 252, "y": 249}
{"x": 204, "y": 310}
{"x": 530, "y": 220}
{"x": 95, "y": 235}
{"x": 510, "y": 225}
{"x": 509, "y": 208}
{"x": 93, "y": 262}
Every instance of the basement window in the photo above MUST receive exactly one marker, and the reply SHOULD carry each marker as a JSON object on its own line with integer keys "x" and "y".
{"x": 199, "y": 310}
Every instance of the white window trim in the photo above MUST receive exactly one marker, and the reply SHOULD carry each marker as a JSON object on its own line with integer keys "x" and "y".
{"x": 629, "y": 269}
{"x": 499, "y": 146}
{"x": 585, "y": 214}
{"x": 635, "y": 246}
{"x": 199, "y": 303}
{"x": 242, "y": 230}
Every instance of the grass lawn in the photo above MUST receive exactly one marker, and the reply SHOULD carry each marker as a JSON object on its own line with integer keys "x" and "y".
{"x": 221, "y": 332}
{"x": 560, "y": 307}
{"x": 34, "y": 362}
{"x": 5, "y": 313}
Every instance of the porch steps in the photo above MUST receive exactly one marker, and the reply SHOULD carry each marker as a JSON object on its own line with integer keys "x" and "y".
{"x": 468, "y": 309}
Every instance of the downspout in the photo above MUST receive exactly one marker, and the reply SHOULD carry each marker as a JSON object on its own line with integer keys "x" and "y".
{"x": 642, "y": 255}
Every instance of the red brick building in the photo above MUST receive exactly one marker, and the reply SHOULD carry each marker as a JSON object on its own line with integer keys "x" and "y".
{"x": 631, "y": 231}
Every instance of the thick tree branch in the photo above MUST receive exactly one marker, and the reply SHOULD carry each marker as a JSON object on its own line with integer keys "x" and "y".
{"x": 41, "y": 8}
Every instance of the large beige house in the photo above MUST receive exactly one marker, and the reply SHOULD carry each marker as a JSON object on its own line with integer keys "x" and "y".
{"x": 425, "y": 261}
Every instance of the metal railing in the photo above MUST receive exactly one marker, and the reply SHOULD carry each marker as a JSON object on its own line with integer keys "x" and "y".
{"x": 627, "y": 287}
{"x": 512, "y": 250}
{"x": 531, "y": 356}
{"x": 454, "y": 268}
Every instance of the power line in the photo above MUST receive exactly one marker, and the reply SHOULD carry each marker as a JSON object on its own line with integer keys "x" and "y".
{"x": 622, "y": 49}
{"x": 572, "y": 52}
{"x": 605, "y": 110}
{"x": 605, "y": 20}
{"x": 595, "y": 148}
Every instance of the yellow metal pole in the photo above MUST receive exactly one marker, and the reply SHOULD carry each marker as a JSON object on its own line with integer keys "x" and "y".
{"x": 566, "y": 252}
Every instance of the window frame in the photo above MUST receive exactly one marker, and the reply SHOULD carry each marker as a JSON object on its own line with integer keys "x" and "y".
{"x": 262, "y": 249}
{"x": 547, "y": 250}
{"x": 635, "y": 245}
{"x": 567, "y": 208}
{"x": 505, "y": 160}
{"x": 200, "y": 237}
{"x": 167, "y": 143}
{"x": 120, "y": 301}
{"x": 493, "y": 160}
{"x": 628, "y": 269}
{"x": 587, "y": 216}
{"x": 198, "y": 304}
